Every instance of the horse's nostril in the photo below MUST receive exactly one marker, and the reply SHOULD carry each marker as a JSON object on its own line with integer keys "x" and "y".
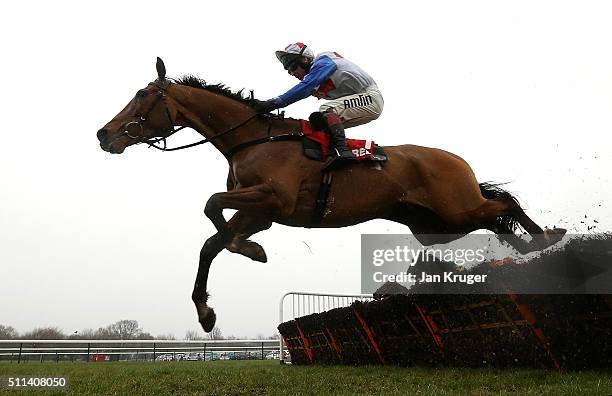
{"x": 102, "y": 135}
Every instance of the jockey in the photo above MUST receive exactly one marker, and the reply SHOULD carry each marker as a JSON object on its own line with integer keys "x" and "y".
{"x": 355, "y": 98}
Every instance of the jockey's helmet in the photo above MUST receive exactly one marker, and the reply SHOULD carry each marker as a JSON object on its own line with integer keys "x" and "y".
{"x": 292, "y": 53}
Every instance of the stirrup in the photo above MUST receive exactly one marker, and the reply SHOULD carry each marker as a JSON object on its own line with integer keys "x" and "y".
{"x": 336, "y": 161}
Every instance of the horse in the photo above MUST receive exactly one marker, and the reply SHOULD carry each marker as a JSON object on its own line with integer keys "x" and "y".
{"x": 433, "y": 192}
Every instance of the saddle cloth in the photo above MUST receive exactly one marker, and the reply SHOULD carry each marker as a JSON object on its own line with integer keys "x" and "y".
{"x": 317, "y": 146}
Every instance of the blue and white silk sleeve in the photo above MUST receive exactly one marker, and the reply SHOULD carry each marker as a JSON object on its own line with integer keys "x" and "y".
{"x": 320, "y": 71}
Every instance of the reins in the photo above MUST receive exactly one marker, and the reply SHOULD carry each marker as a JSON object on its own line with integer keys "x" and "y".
{"x": 151, "y": 143}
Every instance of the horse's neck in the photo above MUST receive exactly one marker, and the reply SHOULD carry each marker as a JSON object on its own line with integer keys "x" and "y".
{"x": 212, "y": 114}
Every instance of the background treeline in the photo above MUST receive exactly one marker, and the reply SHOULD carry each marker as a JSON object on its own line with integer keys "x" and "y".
{"x": 121, "y": 330}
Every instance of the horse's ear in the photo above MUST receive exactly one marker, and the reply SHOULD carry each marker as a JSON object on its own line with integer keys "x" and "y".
{"x": 161, "y": 69}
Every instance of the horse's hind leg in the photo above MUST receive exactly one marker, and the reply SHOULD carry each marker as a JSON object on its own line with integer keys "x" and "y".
{"x": 501, "y": 215}
{"x": 543, "y": 238}
{"x": 426, "y": 226}
{"x": 514, "y": 213}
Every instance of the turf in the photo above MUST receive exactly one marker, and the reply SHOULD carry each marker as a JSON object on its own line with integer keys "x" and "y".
{"x": 269, "y": 377}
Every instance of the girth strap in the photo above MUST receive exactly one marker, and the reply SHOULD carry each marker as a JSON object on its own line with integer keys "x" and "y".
{"x": 322, "y": 196}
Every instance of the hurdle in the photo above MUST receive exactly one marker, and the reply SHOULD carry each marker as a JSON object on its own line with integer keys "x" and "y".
{"x": 306, "y": 303}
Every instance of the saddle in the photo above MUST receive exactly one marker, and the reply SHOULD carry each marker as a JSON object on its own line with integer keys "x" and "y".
{"x": 316, "y": 146}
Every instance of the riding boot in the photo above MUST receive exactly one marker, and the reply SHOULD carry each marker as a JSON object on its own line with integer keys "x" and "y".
{"x": 338, "y": 140}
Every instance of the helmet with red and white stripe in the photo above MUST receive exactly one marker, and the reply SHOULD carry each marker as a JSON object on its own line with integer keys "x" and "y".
{"x": 292, "y": 53}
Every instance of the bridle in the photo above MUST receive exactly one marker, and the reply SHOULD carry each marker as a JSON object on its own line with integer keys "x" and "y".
{"x": 162, "y": 86}
{"x": 161, "y": 95}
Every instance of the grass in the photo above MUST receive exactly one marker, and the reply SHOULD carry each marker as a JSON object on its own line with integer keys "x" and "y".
{"x": 269, "y": 377}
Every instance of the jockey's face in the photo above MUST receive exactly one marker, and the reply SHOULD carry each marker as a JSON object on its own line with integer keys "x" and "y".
{"x": 297, "y": 70}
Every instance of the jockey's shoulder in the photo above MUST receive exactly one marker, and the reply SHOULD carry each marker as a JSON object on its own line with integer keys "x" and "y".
{"x": 328, "y": 54}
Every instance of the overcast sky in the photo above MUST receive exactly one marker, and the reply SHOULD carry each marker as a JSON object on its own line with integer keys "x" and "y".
{"x": 522, "y": 90}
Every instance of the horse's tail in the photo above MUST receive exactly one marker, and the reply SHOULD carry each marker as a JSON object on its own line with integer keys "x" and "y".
{"x": 505, "y": 223}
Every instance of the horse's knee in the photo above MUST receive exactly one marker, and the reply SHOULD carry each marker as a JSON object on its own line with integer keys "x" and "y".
{"x": 208, "y": 246}
{"x": 212, "y": 247}
{"x": 206, "y": 249}
{"x": 211, "y": 207}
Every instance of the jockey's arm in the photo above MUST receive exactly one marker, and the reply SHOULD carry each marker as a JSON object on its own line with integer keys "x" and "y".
{"x": 320, "y": 71}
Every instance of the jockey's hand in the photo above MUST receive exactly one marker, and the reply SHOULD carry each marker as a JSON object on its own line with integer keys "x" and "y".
{"x": 265, "y": 107}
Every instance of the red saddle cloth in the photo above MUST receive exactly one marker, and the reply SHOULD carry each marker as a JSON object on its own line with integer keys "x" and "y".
{"x": 362, "y": 149}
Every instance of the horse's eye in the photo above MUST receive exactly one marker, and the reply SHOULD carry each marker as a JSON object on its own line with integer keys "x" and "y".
{"x": 141, "y": 94}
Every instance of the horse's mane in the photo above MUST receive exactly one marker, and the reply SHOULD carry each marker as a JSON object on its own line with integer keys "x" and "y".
{"x": 196, "y": 82}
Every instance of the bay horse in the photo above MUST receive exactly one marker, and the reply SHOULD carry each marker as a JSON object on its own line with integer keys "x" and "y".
{"x": 433, "y": 192}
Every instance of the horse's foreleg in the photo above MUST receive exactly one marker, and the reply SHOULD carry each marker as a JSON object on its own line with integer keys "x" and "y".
{"x": 259, "y": 199}
{"x": 211, "y": 248}
{"x": 243, "y": 225}
{"x": 255, "y": 205}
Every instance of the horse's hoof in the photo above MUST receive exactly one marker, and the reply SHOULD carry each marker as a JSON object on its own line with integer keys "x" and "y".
{"x": 553, "y": 236}
{"x": 207, "y": 319}
{"x": 254, "y": 251}
{"x": 250, "y": 249}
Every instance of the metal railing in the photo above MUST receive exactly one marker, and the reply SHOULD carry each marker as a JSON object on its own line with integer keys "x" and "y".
{"x": 146, "y": 350}
{"x": 306, "y": 303}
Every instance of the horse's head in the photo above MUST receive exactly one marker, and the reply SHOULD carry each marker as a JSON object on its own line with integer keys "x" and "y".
{"x": 146, "y": 117}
